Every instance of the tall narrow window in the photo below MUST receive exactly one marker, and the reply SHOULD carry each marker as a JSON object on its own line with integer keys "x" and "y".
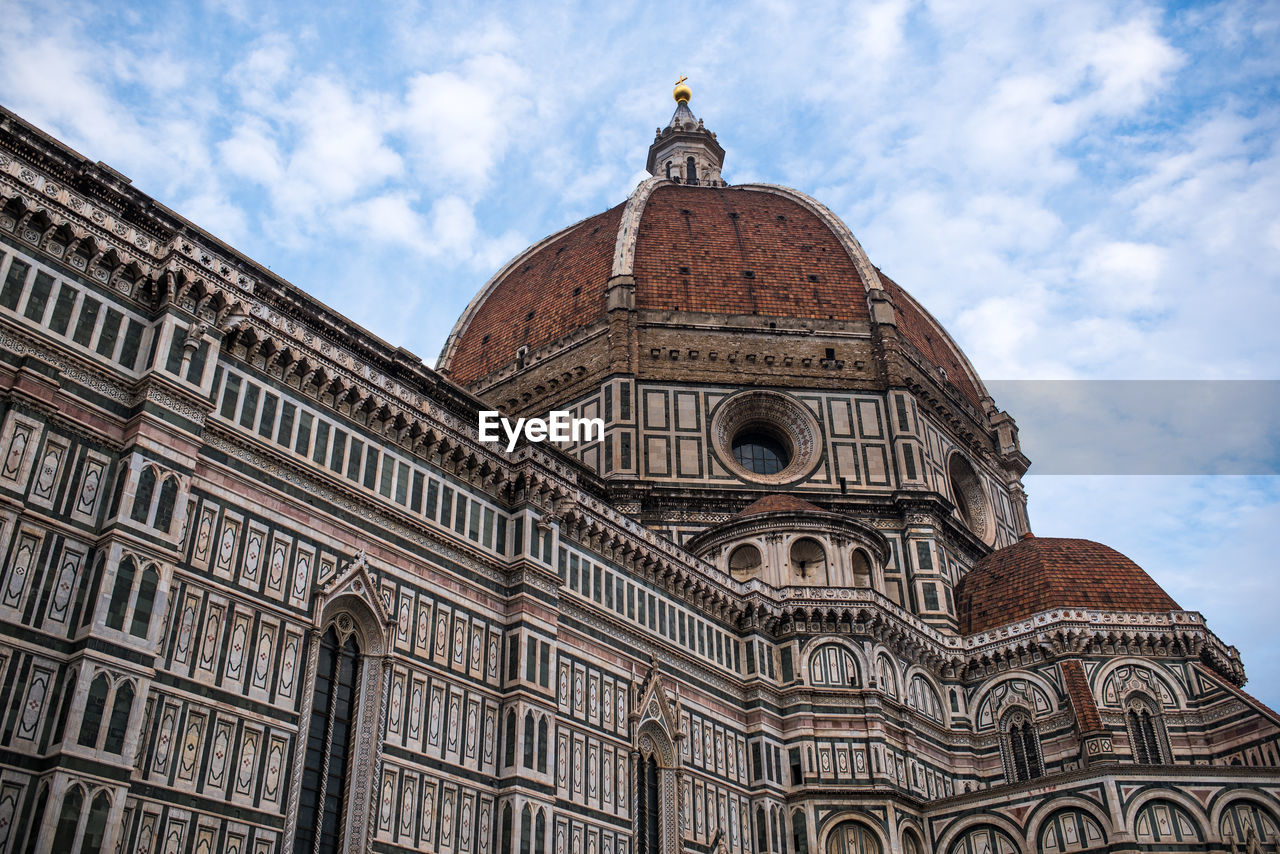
{"x": 36, "y": 819}
{"x": 542, "y": 746}
{"x": 799, "y": 833}
{"x": 691, "y": 171}
{"x": 648, "y": 840}
{"x": 540, "y": 833}
{"x": 91, "y": 722}
{"x": 141, "y": 622}
{"x": 1023, "y": 744}
{"x": 526, "y": 831}
{"x": 119, "y": 721}
{"x": 528, "y": 740}
{"x": 96, "y": 827}
{"x": 509, "y": 749}
{"x": 120, "y": 594}
{"x": 164, "y": 507}
{"x": 321, "y": 804}
{"x": 142, "y": 496}
{"x": 68, "y": 820}
{"x": 504, "y": 830}
{"x": 1144, "y": 729}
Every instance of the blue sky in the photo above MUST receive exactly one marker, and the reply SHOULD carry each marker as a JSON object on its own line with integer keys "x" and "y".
{"x": 1078, "y": 190}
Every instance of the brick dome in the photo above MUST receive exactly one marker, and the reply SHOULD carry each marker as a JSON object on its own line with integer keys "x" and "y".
{"x": 777, "y": 503}
{"x": 1038, "y": 574}
{"x": 752, "y": 251}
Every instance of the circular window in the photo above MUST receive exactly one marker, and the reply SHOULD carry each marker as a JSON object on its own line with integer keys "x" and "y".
{"x": 766, "y": 437}
{"x": 760, "y": 451}
{"x": 970, "y": 498}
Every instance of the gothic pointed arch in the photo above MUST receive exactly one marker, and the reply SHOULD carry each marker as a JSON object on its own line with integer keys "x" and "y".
{"x": 656, "y": 770}
{"x": 348, "y": 667}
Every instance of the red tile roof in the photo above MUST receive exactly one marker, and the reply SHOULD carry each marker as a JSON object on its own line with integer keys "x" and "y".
{"x": 777, "y": 503}
{"x": 551, "y": 293}
{"x": 715, "y": 250}
{"x": 731, "y": 251}
{"x": 1041, "y": 573}
{"x": 1082, "y": 701}
{"x": 922, "y": 333}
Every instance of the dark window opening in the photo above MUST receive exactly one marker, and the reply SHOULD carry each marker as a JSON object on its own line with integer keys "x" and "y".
{"x": 119, "y": 722}
{"x": 142, "y": 495}
{"x": 95, "y": 706}
{"x": 649, "y": 804}
{"x": 760, "y": 452}
{"x": 1024, "y": 751}
{"x": 1142, "y": 735}
{"x": 322, "y": 795}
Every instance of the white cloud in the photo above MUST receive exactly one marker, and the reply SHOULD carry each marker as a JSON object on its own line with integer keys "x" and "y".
{"x": 252, "y": 152}
{"x": 1123, "y": 275}
{"x": 459, "y": 122}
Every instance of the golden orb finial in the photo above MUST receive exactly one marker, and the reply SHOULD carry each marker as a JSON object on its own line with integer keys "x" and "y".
{"x": 682, "y": 93}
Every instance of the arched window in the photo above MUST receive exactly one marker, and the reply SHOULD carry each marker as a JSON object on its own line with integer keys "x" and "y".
{"x": 322, "y": 795}
{"x": 762, "y": 831}
{"x": 691, "y": 171}
{"x": 860, "y": 569}
{"x": 140, "y": 625}
{"x": 649, "y": 806}
{"x": 809, "y": 560}
{"x": 923, "y": 698}
{"x": 68, "y": 820}
{"x": 887, "y": 675}
{"x": 36, "y": 819}
{"x": 1070, "y": 830}
{"x": 799, "y": 833}
{"x": 526, "y": 830}
{"x": 986, "y": 838}
{"x": 119, "y": 722}
{"x": 164, "y": 508}
{"x": 504, "y": 829}
{"x": 120, "y": 594}
{"x": 852, "y": 838}
{"x": 1164, "y": 822}
{"x": 833, "y": 666}
{"x": 142, "y": 496}
{"x": 542, "y": 745}
{"x": 96, "y": 827}
{"x": 528, "y": 740}
{"x": 509, "y": 749}
{"x": 1022, "y": 748}
{"x": 1243, "y": 818}
{"x": 1143, "y": 724}
{"x": 91, "y": 722}
{"x": 773, "y": 829}
{"x": 68, "y": 696}
{"x": 744, "y": 562}
{"x": 540, "y": 833}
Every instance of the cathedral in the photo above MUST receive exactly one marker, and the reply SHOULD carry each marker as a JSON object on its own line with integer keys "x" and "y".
{"x": 263, "y": 588}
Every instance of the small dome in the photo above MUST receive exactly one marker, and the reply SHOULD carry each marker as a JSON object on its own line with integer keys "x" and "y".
{"x": 1039, "y": 574}
{"x": 777, "y": 503}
